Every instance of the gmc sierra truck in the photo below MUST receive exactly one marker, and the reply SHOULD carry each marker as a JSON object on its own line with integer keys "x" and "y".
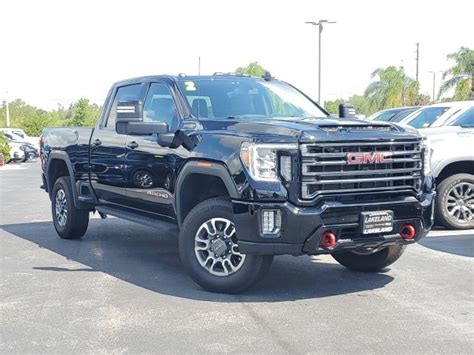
{"x": 246, "y": 168}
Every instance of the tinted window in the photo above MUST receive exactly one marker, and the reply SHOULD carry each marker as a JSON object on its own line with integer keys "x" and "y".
{"x": 427, "y": 116}
{"x": 466, "y": 119}
{"x": 129, "y": 92}
{"x": 385, "y": 116}
{"x": 402, "y": 115}
{"x": 160, "y": 106}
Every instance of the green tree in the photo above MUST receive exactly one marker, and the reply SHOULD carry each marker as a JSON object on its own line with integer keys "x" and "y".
{"x": 83, "y": 113}
{"x": 361, "y": 104}
{"x": 461, "y": 75}
{"x": 253, "y": 69}
{"x": 392, "y": 89}
{"x": 333, "y": 106}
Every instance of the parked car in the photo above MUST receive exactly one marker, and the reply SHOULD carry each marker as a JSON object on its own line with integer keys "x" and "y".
{"x": 246, "y": 168}
{"x": 393, "y": 114}
{"x": 23, "y": 136}
{"x": 16, "y": 151}
{"x": 436, "y": 115}
{"x": 18, "y": 144}
{"x": 452, "y": 163}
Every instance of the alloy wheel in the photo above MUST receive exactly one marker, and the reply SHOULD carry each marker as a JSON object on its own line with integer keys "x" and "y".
{"x": 216, "y": 249}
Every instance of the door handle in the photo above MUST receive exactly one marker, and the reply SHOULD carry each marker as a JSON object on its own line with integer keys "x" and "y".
{"x": 132, "y": 145}
{"x": 97, "y": 142}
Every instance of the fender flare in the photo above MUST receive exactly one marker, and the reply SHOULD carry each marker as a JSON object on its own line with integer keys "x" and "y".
{"x": 61, "y": 155}
{"x": 210, "y": 168}
{"x": 444, "y": 163}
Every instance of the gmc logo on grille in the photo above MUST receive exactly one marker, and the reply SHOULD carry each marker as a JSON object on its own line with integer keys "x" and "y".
{"x": 368, "y": 158}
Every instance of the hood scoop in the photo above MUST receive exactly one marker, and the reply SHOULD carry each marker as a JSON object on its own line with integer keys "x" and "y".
{"x": 356, "y": 127}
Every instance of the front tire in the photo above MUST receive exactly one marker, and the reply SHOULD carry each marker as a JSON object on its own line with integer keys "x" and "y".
{"x": 208, "y": 248}
{"x": 455, "y": 202}
{"x": 69, "y": 222}
{"x": 370, "y": 262}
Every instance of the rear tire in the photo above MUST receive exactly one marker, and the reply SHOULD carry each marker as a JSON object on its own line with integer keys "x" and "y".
{"x": 69, "y": 222}
{"x": 207, "y": 231}
{"x": 455, "y": 203}
{"x": 370, "y": 262}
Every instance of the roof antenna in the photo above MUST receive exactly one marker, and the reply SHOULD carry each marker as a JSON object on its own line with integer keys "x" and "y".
{"x": 267, "y": 76}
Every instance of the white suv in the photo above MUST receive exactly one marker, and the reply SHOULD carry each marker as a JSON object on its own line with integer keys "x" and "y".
{"x": 436, "y": 115}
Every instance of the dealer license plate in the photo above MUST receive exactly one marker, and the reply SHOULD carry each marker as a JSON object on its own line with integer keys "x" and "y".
{"x": 377, "y": 222}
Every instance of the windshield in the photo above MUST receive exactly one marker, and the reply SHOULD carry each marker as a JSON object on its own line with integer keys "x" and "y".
{"x": 245, "y": 98}
{"x": 385, "y": 116}
{"x": 426, "y": 116}
{"x": 465, "y": 120}
{"x": 402, "y": 115}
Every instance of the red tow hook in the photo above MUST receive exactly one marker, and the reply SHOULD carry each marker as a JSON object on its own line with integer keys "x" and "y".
{"x": 408, "y": 232}
{"x": 328, "y": 240}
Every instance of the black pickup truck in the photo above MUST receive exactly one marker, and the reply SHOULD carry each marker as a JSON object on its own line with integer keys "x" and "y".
{"x": 246, "y": 168}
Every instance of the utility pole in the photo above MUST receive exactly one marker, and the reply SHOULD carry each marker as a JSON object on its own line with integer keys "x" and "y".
{"x": 7, "y": 110}
{"x": 320, "y": 24}
{"x": 417, "y": 58}
{"x": 434, "y": 84}
{"x": 199, "y": 65}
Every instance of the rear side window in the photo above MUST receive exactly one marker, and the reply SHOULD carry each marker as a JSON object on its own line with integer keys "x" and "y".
{"x": 124, "y": 93}
{"x": 427, "y": 116}
{"x": 466, "y": 119}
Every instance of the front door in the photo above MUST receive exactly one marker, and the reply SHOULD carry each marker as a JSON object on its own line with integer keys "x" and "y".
{"x": 107, "y": 151}
{"x": 150, "y": 168}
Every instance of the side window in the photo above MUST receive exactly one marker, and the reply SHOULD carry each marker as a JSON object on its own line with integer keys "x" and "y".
{"x": 466, "y": 119}
{"x": 160, "y": 106}
{"x": 129, "y": 92}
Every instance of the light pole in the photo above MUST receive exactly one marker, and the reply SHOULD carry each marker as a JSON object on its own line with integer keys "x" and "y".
{"x": 7, "y": 110}
{"x": 434, "y": 83}
{"x": 320, "y": 24}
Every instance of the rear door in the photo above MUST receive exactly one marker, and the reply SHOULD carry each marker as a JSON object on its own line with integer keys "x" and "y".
{"x": 107, "y": 150}
{"x": 151, "y": 168}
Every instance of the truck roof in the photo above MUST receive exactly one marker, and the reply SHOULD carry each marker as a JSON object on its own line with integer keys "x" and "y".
{"x": 175, "y": 78}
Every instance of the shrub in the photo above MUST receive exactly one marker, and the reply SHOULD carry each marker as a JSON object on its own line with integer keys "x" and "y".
{"x": 4, "y": 147}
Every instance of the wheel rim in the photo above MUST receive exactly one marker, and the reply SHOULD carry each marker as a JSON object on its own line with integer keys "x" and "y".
{"x": 61, "y": 207}
{"x": 144, "y": 180}
{"x": 216, "y": 249}
{"x": 460, "y": 202}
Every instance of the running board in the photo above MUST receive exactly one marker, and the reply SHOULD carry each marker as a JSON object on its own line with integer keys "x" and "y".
{"x": 139, "y": 219}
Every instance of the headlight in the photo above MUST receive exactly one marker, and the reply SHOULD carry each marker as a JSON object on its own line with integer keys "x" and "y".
{"x": 427, "y": 151}
{"x": 261, "y": 160}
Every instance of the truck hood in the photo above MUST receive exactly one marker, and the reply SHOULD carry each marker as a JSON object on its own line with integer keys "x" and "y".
{"x": 311, "y": 129}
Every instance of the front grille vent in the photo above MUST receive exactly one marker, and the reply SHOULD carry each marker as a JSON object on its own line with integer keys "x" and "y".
{"x": 325, "y": 168}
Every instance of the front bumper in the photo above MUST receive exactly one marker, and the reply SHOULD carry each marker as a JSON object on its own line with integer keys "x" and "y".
{"x": 302, "y": 227}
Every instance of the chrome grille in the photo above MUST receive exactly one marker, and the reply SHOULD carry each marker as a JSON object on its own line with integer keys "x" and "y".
{"x": 325, "y": 170}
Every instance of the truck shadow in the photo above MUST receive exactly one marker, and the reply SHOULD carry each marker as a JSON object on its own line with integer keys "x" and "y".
{"x": 149, "y": 259}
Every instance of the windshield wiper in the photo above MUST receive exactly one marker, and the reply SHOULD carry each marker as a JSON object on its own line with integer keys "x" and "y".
{"x": 232, "y": 117}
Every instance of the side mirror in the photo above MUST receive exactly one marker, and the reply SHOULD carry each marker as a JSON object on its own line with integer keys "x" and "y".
{"x": 130, "y": 120}
{"x": 346, "y": 111}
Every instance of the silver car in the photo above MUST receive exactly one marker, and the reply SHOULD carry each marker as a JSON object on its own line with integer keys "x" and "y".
{"x": 452, "y": 165}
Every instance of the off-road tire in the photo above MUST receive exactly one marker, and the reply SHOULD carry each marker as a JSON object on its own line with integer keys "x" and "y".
{"x": 77, "y": 220}
{"x": 441, "y": 211}
{"x": 254, "y": 267}
{"x": 369, "y": 262}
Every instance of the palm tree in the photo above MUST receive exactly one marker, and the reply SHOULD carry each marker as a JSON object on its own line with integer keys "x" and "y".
{"x": 392, "y": 89}
{"x": 461, "y": 75}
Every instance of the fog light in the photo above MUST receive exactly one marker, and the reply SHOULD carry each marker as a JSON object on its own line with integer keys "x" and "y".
{"x": 271, "y": 221}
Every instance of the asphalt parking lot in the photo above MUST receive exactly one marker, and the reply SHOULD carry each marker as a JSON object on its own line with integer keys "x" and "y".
{"x": 122, "y": 289}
